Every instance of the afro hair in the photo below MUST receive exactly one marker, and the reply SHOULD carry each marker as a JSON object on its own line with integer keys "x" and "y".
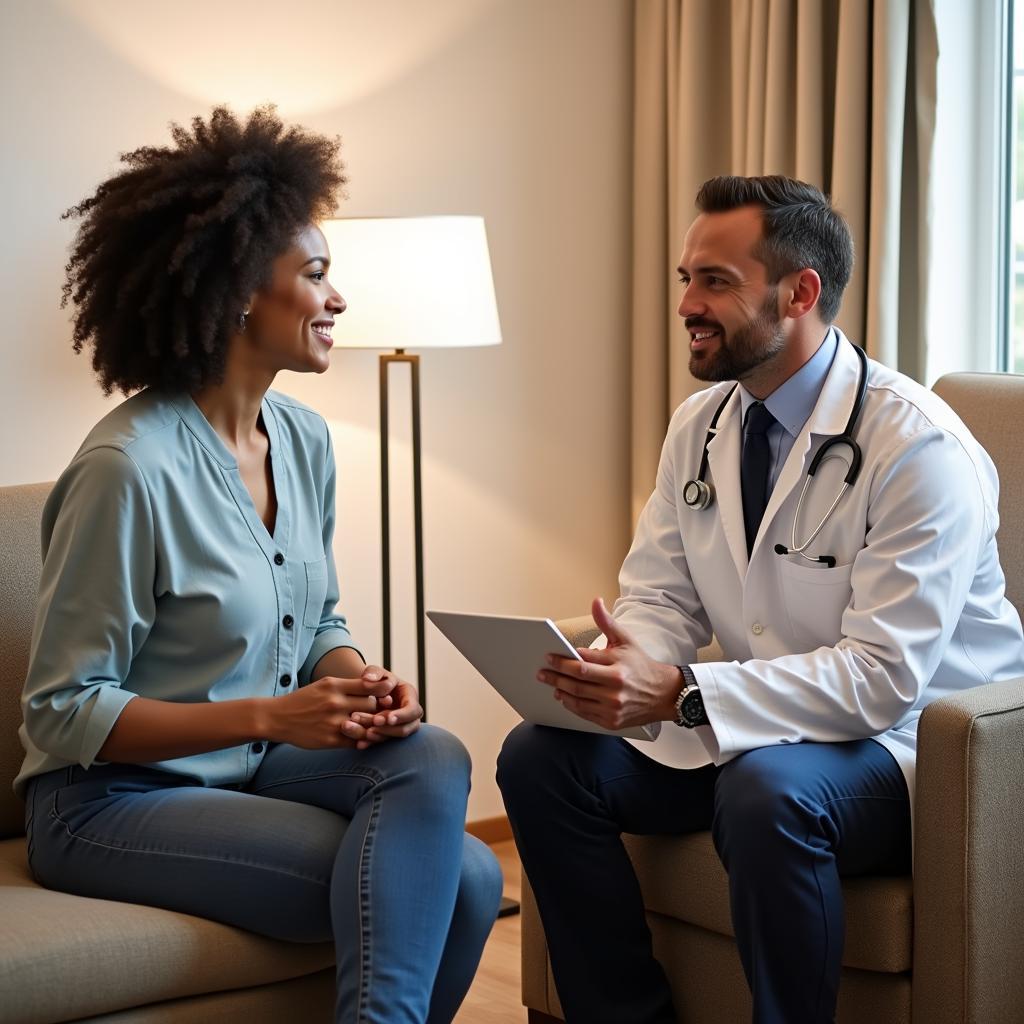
{"x": 170, "y": 249}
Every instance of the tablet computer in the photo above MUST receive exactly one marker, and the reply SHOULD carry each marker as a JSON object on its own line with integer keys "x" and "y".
{"x": 509, "y": 651}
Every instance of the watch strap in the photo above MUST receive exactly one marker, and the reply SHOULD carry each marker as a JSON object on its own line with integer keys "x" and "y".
{"x": 689, "y": 679}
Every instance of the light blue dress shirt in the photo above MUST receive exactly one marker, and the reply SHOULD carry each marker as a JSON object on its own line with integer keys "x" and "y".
{"x": 160, "y": 580}
{"x": 792, "y": 404}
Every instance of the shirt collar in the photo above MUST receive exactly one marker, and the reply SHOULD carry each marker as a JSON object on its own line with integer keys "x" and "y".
{"x": 793, "y": 401}
{"x": 203, "y": 431}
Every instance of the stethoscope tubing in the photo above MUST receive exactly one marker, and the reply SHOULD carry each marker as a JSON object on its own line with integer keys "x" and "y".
{"x": 698, "y": 494}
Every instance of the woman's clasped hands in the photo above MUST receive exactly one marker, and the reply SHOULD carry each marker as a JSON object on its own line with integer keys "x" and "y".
{"x": 334, "y": 712}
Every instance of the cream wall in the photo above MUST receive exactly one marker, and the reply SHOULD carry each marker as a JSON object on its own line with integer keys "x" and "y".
{"x": 518, "y": 110}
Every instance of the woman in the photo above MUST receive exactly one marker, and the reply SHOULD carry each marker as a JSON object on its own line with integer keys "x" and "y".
{"x": 201, "y": 732}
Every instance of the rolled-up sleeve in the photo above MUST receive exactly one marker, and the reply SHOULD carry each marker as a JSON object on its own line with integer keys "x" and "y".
{"x": 96, "y": 604}
{"x": 332, "y": 630}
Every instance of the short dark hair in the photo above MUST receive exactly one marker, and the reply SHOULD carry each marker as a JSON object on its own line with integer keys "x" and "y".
{"x": 171, "y": 247}
{"x": 801, "y": 229}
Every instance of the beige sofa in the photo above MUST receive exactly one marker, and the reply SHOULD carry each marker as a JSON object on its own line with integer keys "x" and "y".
{"x": 945, "y": 946}
{"x": 65, "y": 958}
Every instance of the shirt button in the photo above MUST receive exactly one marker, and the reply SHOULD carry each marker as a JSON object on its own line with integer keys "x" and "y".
{"x": 257, "y": 747}
{"x": 279, "y": 559}
{"x": 286, "y": 680}
{"x": 757, "y": 629}
{"x": 287, "y": 622}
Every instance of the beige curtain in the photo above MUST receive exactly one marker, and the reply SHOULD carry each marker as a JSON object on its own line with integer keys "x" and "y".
{"x": 840, "y": 93}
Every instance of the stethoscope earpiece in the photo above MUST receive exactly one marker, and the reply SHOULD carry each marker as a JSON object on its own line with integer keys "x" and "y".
{"x": 826, "y": 560}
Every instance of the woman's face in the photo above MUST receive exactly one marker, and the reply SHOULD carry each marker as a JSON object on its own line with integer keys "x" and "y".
{"x": 289, "y": 323}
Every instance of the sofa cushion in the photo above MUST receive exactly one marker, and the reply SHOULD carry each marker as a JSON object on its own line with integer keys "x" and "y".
{"x": 65, "y": 957}
{"x": 308, "y": 1000}
{"x": 682, "y": 877}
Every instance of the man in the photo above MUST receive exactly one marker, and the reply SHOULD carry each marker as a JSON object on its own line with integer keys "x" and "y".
{"x": 838, "y": 626}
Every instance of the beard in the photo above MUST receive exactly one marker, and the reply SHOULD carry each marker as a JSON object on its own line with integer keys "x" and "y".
{"x": 759, "y": 340}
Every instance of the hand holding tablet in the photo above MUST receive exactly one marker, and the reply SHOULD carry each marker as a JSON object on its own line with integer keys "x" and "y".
{"x": 509, "y": 651}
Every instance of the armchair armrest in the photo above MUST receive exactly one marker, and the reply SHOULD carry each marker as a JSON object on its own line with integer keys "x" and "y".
{"x": 580, "y": 632}
{"x": 969, "y": 857}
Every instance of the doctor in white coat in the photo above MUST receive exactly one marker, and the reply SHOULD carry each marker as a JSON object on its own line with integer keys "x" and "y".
{"x": 846, "y": 594}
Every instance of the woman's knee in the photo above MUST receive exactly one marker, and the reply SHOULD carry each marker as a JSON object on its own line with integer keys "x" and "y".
{"x": 481, "y": 881}
{"x": 441, "y": 753}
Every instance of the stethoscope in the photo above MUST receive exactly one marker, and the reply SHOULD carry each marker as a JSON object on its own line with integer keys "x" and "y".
{"x": 699, "y": 495}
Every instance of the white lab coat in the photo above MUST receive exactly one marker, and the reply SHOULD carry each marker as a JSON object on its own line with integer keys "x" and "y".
{"x": 914, "y": 608}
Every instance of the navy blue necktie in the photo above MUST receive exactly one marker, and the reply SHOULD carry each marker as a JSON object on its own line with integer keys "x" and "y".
{"x": 754, "y": 469}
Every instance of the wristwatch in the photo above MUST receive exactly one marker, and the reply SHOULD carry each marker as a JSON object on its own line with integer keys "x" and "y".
{"x": 689, "y": 704}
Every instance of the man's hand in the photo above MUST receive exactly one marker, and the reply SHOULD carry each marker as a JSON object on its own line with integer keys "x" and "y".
{"x": 397, "y": 716}
{"x": 618, "y": 687}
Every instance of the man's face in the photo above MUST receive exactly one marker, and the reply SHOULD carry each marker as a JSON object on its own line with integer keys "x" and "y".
{"x": 730, "y": 310}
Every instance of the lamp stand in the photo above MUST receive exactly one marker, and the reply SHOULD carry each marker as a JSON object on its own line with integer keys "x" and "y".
{"x": 508, "y": 906}
{"x": 386, "y": 360}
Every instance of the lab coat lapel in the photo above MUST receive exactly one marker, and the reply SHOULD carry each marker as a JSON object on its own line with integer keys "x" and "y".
{"x": 828, "y": 418}
{"x": 724, "y": 461}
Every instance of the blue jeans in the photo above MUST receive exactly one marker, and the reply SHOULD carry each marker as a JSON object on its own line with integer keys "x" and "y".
{"x": 365, "y": 847}
{"x": 788, "y": 822}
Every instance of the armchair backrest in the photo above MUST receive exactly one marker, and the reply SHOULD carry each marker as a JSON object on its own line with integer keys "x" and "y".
{"x": 992, "y": 406}
{"x": 21, "y": 510}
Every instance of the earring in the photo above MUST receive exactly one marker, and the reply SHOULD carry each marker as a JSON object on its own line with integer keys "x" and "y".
{"x": 242, "y": 319}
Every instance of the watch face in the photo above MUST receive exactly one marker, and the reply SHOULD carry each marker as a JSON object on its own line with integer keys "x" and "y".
{"x": 693, "y": 708}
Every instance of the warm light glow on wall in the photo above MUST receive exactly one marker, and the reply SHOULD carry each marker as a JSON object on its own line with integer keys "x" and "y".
{"x": 304, "y": 55}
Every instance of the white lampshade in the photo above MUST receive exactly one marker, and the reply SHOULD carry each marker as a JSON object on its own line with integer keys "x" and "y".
{"x": 412, "y": 282}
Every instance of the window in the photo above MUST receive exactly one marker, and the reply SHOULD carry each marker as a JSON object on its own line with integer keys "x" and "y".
{"x": 970, "y": 274}
{"x": 1013, "y": 356}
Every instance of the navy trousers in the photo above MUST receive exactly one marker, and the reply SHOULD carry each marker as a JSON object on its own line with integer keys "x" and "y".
{"x": 788, "y": 822}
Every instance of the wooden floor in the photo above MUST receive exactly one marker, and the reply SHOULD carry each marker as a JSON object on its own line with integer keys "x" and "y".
{"x": 495, "y": 996}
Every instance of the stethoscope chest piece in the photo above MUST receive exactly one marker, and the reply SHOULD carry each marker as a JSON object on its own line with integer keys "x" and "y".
{"x": 698, "y": 495}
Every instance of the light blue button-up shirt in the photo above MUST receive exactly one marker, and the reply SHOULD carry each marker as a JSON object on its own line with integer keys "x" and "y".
{"x": 160, "y": 579}
{"x": 792, "y": 404}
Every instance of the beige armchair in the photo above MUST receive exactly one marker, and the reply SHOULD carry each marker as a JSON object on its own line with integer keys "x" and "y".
{"x": 943, "y": 947}
{"x": 65, "y": 958}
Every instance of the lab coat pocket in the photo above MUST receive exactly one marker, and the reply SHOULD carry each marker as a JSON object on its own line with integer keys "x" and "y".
{"x": 815, "y": 598}
{"x": 316, "y": 591}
